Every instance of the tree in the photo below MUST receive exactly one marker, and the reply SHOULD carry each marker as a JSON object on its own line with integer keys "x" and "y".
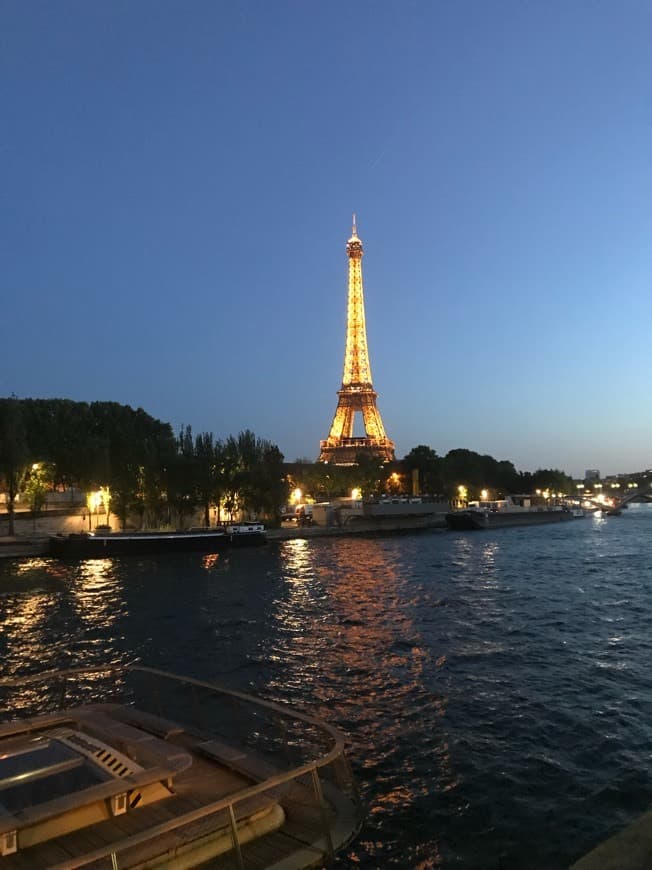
{"x": 182, "y": 478}
{"x": 252, "y": 478}
{"x": 368, "y": 474}
{"x": 477, "y": 472}
{"x": 551, "y": 479}
{"x": 324, "y": 481}
{"x": 132, "y": 447}
{"x": 36, "y": 484}
{"x": 14, "y": 452}
{"x": 259, "y": 479}
{"x": 271, "y": 488}
{"x": 210, "y": 456}
{"x": 425, "y": 461}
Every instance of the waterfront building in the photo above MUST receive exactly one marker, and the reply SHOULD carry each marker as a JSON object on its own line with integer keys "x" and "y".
{"x": 356, "y": 394}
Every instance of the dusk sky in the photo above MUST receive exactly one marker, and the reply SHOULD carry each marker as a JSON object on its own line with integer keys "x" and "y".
{"x": 178, "y": 185}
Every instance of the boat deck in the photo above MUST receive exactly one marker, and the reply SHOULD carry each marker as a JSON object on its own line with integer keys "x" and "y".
{"x": 200, "y": 783}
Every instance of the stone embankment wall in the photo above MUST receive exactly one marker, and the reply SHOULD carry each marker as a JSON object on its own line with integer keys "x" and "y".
{"x": 49, "y": 523}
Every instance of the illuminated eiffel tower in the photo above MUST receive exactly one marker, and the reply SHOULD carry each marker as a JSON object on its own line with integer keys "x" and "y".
{"x": 357, "y": 393}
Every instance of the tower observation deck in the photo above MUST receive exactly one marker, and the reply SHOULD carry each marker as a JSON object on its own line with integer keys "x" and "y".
{"x": 356, "y": 395}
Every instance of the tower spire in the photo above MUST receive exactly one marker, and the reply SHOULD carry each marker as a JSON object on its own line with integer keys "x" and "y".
{"x": 356, "y": 393}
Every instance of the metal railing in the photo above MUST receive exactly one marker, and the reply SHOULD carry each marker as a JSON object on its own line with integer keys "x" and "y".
{"x": 316, "y": 783}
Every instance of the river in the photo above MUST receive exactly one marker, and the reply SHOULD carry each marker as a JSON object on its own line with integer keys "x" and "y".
{"x": 494, "y": 687}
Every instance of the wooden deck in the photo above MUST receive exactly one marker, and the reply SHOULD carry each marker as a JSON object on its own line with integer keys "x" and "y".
{"x": 185, "y": 791}
{"x": 201, "y": 784}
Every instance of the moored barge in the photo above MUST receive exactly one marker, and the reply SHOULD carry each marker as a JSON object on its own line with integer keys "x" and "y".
{"x": 104, "y": 544}
{"x": 515, "y": 510}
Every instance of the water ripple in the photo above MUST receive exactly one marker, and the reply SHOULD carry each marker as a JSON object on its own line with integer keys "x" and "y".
{"x": 493, "y": 687}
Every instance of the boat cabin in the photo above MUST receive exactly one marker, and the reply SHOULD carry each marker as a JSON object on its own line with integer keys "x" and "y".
{"x": 511, "y": 503}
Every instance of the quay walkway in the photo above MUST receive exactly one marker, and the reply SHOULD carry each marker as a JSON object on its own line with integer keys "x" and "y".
{"x": 630, "y": 849}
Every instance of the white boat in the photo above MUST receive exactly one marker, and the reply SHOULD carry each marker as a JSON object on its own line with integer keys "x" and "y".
{"x": 137, "y": 768}
{"x": 246, "y": 533}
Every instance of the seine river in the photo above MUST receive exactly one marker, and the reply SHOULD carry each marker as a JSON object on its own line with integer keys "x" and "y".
{"x": 494, "y": 687}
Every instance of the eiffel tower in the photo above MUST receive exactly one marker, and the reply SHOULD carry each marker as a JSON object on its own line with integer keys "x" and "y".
{"x": 356, "y": 393}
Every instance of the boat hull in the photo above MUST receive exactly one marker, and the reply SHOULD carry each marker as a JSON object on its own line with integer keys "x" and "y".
{"x": 138, "y": 544}
{"x": 466, "y": 520}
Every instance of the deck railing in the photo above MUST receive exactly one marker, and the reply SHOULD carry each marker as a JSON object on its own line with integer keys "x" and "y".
{"x": 299, "y": 760}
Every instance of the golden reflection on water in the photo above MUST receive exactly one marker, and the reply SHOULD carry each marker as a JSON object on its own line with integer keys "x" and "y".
{"x": 299, "y": 576}
{"x": 25, "y": 632}
{"x": 52, "y": 567}
{"x": 209, "y": 561}
{"x": 97, "y": 593}
{"x": 346, "y": 620}
{"x": 29, "y": 615}
{"x": 55, "y": 615}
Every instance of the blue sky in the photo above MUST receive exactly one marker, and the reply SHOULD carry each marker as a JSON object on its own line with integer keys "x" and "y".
{"x": 178, "y": 183}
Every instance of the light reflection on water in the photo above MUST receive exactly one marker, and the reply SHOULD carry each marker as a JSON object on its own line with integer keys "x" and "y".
{"x": 343, "y": 621}
{"x": 97, "y": 595}
{"x": 210, "y": 561}
{"x": 493, "y": 687}
{"x": 55, "y": 615}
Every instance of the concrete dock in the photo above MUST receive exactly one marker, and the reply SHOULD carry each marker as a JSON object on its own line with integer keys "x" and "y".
{"x": 630, "y": 849}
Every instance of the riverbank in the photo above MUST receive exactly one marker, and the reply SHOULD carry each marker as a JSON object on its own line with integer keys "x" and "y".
{"x": 22, "y": 547}
{"x": 27, "y": 546}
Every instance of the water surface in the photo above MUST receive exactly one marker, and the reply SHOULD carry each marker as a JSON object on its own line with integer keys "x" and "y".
{"x": 493, "y": 686}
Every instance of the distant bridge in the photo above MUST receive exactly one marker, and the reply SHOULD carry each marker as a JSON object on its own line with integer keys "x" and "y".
{"x": 644, "y": 493}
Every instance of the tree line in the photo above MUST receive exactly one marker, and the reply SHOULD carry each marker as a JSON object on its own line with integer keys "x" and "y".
{"x": 437, "y": 476}
{"x": 145, "y": 469}
{"x": 149, "y": 473}
{"x": 460, "y": 467}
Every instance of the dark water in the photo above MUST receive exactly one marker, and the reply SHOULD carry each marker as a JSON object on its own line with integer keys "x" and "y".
{"x": 494, "y": 686}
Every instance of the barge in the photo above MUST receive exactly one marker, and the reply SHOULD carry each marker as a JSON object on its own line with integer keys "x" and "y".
{"x": 515, "y": 510}
{"x": 104, "y": 544}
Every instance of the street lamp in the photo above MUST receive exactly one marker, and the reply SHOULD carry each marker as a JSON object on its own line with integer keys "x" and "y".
{"x": 93, "y": 501}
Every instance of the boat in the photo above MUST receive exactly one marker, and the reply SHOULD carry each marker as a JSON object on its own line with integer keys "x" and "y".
{"x": 515, "y": 510}
{"x": 138, "y": 768}
{"x": 245, "y": 534}
{"x": 106, "y": 543}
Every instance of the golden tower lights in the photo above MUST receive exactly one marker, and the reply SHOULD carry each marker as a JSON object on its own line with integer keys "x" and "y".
{"x": 356, "y": 393}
